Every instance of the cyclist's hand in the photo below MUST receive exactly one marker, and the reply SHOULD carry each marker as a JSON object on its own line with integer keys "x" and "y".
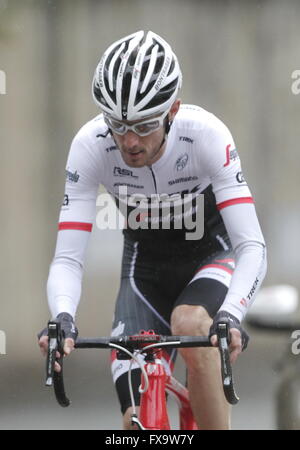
{"x": 70, "y": 333}
{"x": 238, "y": 337}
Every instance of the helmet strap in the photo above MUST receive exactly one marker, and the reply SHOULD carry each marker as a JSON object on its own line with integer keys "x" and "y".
{"x": 167, "y": 126}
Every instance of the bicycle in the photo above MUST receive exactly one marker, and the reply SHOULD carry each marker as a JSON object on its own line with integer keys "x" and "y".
{"x": 155, "y": 383}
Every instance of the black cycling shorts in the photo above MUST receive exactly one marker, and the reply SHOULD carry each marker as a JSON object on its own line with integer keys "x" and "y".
{"x": 151, "y": 288}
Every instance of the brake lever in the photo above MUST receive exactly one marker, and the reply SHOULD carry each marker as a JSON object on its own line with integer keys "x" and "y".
{"x": 53, "y": 334}
{"x": 227, "y": 375}
{"x": 56, "y": 344}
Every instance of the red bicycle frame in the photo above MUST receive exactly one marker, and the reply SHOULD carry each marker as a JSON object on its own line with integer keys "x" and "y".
{"x": 153, "y": 406}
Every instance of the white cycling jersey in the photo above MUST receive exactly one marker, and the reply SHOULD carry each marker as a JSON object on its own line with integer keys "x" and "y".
{"x": 200, "y": 158}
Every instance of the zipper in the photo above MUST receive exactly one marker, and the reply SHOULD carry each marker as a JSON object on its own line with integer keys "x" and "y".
{"x": 154, "y": 179}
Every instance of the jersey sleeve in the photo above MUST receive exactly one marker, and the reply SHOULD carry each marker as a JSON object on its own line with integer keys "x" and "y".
{"x": 236, "y": 206}
{"x": 75, "y": 225}
{"x": 223, "y": 166}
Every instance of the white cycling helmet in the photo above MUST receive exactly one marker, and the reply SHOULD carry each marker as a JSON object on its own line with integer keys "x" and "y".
{"x": 138, "y": 76}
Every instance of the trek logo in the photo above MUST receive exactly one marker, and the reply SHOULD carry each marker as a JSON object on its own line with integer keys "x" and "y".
{"x": 186, "y": 139}
{"x": 72, "y": 177}
{"x": 253, "y": 289}
{"x": 181, "y": 162}
{"x": 118, "y": 172}
{"x": 231, "y": 155}
{"x": 110, "y": 149}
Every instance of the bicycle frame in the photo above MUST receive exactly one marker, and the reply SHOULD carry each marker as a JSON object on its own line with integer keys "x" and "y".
{"x": 153, "y": 407}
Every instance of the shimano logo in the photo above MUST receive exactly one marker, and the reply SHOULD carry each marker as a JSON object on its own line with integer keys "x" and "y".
{"x": 186, "y": 139}
{"x": 182, "y": 180}
{"x": 124, "y": 173}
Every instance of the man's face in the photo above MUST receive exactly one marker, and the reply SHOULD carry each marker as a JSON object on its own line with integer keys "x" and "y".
{"x": 139, "y": 151}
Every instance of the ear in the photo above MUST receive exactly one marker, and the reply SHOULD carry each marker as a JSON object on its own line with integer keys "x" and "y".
{"x": 174, "y": 109}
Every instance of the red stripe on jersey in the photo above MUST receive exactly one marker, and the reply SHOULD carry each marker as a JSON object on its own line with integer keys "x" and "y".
{"x": 216, "y": 266}
{"x": 234, "y": 201}
{"x": 83, "y": 226}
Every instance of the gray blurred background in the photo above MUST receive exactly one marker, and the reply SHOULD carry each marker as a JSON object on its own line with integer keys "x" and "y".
{"x": 237, "y": 59}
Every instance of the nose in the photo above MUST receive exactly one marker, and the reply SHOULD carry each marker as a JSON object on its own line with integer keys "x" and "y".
{"x": 130, "y": 139}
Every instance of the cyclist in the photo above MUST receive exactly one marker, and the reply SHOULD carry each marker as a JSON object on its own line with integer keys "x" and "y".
{"x": 158, "y": 150}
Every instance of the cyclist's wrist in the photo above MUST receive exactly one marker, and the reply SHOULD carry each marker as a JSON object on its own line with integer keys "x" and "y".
{"x": 232, "y": 317}
{"x": 67, "y": 325}
{"x": 65, "y": 316}
{"x": 232, "y": 322}
{"x": 232, "y": 304}
{"x": 223, "y": 316}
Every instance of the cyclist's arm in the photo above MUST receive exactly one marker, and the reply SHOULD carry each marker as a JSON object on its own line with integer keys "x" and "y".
{"x": 236, "y": 206}
{"x": 250, "y": 258}
{"x": 75, "y": 225}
